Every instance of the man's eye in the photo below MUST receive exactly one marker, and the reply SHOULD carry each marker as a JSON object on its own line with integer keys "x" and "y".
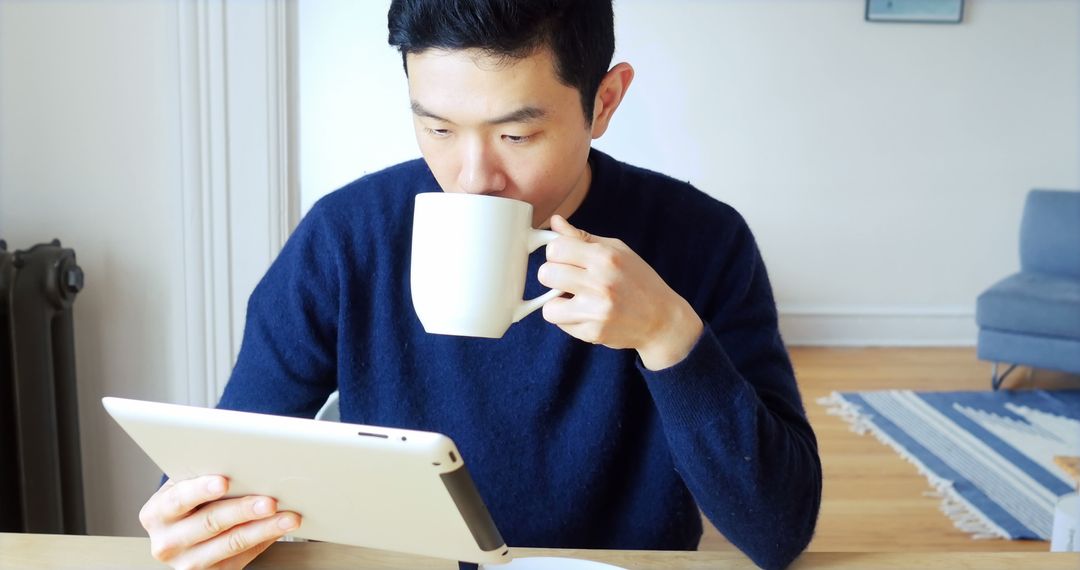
{"x": 517, "y": 139}
{"x": 438, "y": 133}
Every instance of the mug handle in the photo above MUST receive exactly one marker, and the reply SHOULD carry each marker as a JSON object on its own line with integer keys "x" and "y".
{"x": 537, "y": 238}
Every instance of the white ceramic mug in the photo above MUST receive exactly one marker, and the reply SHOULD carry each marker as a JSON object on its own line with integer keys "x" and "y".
{"x": 469, "y": 257}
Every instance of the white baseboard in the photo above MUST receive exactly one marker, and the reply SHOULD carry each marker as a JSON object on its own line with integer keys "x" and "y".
{"x": 804, "y": 325}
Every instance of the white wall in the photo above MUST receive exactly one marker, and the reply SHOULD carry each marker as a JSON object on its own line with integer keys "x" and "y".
{"x": 152, "y": 136}
{"x": 353, "y": 102}
{"x": 89, "y": 153}
{"x": 882, "y": 166}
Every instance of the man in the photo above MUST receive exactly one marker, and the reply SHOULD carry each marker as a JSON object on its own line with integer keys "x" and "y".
{"x": 657, "y": 386}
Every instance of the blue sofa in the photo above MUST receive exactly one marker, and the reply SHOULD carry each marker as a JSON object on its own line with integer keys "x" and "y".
{"x": 1032, "y": 318}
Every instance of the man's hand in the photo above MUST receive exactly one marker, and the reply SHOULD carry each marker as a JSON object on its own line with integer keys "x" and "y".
{"x": 618, "y": 300}
{"x": 191, "y": 526}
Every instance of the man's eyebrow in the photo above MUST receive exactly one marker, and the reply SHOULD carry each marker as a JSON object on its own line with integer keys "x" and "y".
{"x": 421, "y": 111}
{"x": 523, "y": 115}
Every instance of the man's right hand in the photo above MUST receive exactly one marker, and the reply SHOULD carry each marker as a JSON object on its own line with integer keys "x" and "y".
{"x": 191, "y": 526}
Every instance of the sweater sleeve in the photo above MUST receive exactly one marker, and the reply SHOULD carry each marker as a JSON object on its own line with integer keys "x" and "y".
{"x": 287, "y": 360}
{"x": 735, "y": 423}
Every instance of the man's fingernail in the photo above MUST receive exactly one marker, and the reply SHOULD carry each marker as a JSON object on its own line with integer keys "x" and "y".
{"x": 287, "y": 523}
{"x": 262, "y": 507}
{"x": 216, "y": 485}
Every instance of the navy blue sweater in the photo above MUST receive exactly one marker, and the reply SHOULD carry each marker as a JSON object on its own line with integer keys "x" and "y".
{"x": 570, "y": 444}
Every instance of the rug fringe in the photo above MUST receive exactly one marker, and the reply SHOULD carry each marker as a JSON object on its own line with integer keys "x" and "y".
{"x": 836, "y": 405}
{"x": 964, "y": 517}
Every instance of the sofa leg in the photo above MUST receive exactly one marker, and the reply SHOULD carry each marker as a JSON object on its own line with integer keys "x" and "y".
{"x": 996, "y": 380}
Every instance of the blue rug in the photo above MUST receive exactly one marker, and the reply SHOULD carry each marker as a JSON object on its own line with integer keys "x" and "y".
{"x": 988, "y": 454}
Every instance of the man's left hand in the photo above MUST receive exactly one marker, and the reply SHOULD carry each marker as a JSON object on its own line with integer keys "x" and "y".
{"x": 618, "y": 300}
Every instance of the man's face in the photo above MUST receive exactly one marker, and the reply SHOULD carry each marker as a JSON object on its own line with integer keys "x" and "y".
{"x": 505, "y": 128}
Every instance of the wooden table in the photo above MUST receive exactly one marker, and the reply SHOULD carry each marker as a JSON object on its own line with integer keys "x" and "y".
{"x": 29, "y": 551}
{"x": 1071, "y": 465}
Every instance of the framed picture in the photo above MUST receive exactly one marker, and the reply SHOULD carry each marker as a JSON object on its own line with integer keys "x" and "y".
{"x": 926, "y": 11}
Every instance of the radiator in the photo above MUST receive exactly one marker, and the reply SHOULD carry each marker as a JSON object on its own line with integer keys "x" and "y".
{"x": 40, "y": 466}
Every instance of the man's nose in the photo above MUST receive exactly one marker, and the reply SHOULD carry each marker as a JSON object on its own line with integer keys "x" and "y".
{"x": 481, "y": 172}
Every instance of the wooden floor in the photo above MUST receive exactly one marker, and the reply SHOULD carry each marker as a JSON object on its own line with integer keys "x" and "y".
{"x": 873, "y": 500}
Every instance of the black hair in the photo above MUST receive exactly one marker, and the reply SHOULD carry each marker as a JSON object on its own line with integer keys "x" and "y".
{"x": 579, "y": 33}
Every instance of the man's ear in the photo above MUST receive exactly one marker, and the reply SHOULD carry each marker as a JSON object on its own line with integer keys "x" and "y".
{"x": 611, "y": 92}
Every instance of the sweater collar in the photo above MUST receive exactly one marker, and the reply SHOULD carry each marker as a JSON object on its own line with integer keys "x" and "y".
{"x": 591, "y": 210}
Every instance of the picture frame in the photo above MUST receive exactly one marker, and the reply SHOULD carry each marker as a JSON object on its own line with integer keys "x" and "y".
{"x": 915, "y": 11}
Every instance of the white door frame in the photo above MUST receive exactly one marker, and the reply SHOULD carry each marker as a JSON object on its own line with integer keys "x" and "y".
{"x": 238, "y": 176}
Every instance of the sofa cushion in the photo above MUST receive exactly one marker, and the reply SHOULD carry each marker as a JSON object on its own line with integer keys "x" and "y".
{"x": 1050, "y": 233}
{"x": 1032, "y": 303}
{"x": 1047, "y": 352}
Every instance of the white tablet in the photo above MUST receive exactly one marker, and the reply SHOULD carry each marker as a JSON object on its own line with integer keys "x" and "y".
{"x": 401, "y": 490}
